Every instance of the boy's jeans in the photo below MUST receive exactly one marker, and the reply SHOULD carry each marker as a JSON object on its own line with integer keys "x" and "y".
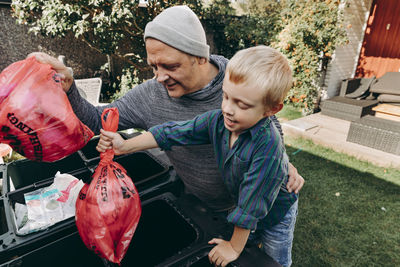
{"x": 277, "y": 240}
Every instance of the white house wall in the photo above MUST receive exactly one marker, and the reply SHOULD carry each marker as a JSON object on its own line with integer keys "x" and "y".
{"x": 344, "y": 61}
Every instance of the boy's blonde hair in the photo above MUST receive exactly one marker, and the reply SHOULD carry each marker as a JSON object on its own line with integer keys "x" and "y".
{"x": 263, "y": 67}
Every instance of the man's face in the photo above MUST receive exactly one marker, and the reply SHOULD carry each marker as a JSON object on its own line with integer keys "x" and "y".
{"x": 242, "y": 106}
{"x": 176, "y": 70}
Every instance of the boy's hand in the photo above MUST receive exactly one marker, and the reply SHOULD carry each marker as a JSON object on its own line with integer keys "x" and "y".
{"x": 223, "y": 253}
{"x": 296, "y": 181}
{"x": 110, "y": 140}
{"x": 64, "y": 72}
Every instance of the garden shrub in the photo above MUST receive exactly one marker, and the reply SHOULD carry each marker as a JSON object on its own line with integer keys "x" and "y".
{"x": 300, "y": 29}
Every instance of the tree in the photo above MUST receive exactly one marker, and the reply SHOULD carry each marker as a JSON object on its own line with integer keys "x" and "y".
{"x": 232, "y": 32}
{"x": 300, "y": 29}
{"x": 311, "y": 27}
{"x": 114, "y": 28}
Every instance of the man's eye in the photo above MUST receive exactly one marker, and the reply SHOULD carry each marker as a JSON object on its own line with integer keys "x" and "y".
{"x": 171, "y": 67}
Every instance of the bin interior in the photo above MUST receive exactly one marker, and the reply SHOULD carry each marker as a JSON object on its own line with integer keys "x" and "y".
{"x": 141, "y": 166}
{"x": 17, "y": 196}
{"x": 65, "y": 252}
{"x": 89, "y": 150}
{"x": 3, "y": 220}
{"x": 25, "y": 172}
{"x": 161, "y": 233}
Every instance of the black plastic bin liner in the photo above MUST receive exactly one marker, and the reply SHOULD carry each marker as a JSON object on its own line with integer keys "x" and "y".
{"x": 161, "y": 233}
{"x": 3, "y": 219}
{"x": 25, "y": 172}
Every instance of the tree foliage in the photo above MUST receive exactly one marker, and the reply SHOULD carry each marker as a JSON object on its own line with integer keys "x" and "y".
{"x": 232, "y": 32}
{"x": 300, "y": 29}
{"x": 113, "y": 28}
{"x": 311, "y": 27}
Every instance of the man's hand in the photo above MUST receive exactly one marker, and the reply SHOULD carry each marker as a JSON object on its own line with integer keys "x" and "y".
{"x": 223, "y": 253}
{"x": 296, "y": 181}
{"x": 64, "y": 72}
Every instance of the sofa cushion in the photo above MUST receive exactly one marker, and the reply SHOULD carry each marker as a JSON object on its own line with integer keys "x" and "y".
{"x": 388, "y": 98}
{"x": 387, "y": 84}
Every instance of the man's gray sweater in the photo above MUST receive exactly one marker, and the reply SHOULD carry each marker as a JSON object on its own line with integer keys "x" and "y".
{"x": 149, "y": 104}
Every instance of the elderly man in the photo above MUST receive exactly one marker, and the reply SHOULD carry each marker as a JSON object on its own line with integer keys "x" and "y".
{"x": 187, "y": 82}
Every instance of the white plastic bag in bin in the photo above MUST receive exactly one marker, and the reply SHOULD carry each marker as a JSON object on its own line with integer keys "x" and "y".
{"x": 49, "y": 205}
{"x": 69, "y": 187}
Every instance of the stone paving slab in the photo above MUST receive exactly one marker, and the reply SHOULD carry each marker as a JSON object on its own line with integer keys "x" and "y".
{"x": 332, "y": 132}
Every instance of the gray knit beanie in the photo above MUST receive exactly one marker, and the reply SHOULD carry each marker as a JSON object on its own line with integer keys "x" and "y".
{"x": 179, "y": 27}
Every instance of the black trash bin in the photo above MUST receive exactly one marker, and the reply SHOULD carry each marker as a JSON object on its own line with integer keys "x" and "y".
{"x": 162, "y": 232}
{"x": 173, "y": 230}
{"x": 152, "y": 177}
{"x": 3, "y": 220}
{"x": 25, "y": 172}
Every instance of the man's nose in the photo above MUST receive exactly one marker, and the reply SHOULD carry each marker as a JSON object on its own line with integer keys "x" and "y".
{"x": 162, "y": 76}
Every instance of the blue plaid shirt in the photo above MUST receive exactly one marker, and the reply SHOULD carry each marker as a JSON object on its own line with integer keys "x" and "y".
{"x": 254, "y": 169}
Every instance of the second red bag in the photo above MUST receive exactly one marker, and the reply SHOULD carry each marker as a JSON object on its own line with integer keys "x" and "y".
{"x": 36, "y": 118}
{"x": 108, "y": 209}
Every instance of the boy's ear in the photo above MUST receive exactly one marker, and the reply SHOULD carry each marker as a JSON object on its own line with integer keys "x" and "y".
{"x": 273, "y": 110}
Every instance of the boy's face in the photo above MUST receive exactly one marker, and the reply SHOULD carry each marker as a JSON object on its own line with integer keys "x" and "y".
{"x": 242, "y": 106}
{"x": 173, "y": 68}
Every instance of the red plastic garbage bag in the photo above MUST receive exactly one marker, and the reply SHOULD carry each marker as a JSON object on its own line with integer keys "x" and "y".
{"x": 108, "y": 209}
{"x": 36, "y": 118}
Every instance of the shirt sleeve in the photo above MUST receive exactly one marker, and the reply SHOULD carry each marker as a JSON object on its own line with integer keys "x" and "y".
{"x": 134, "y": 108}
{"x": 278, "y": 125}
{"x": 180, "y": 133}
{"x": 260, "y": 186}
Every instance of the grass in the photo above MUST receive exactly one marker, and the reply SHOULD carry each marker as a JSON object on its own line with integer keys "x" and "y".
{"x": 289, "y": 113}
{"x": 349, "y": 210}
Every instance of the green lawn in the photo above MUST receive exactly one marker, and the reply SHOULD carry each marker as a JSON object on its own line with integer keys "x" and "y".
{"x": 289, "y": 113}
{"x": 349, "y": 210}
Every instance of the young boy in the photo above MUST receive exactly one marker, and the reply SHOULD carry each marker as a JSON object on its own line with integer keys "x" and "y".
{"x": 249, "y": 151}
